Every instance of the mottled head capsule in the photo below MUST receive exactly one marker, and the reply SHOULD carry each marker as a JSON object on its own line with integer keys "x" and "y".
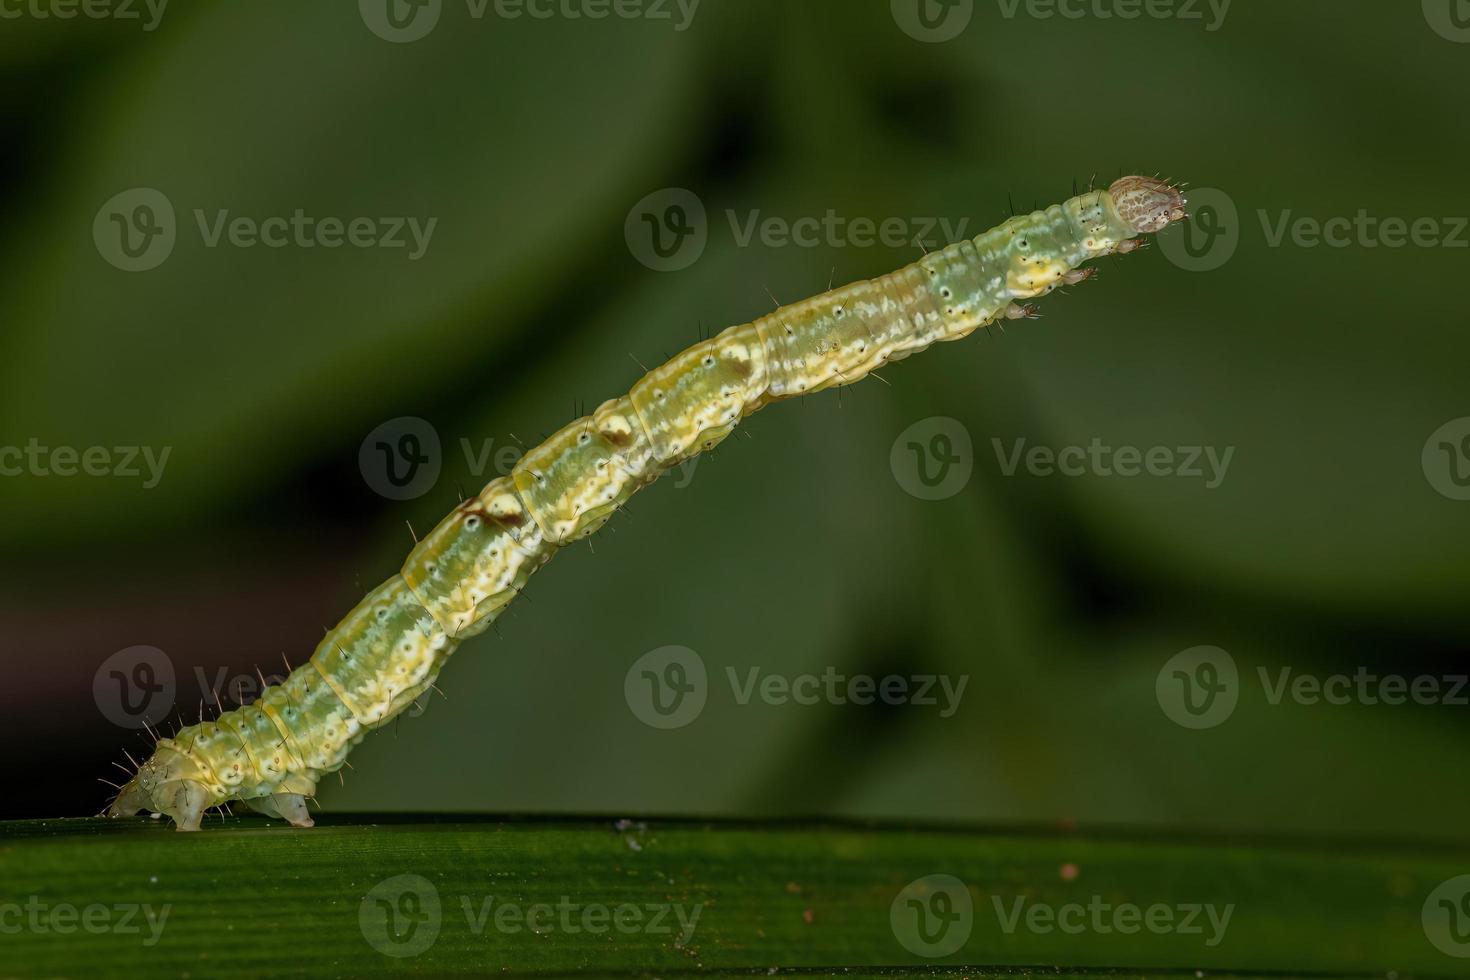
{"x": 1148, "y": 205}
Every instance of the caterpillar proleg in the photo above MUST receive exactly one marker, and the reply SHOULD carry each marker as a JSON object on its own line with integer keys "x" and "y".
{"x": 387, "y": 651}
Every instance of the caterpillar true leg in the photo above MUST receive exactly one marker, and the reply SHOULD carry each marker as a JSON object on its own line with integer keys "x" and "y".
{"x": 389, "y": 649}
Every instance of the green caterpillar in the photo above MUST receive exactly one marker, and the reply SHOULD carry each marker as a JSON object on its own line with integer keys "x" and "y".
{"x": 388, "y": 651}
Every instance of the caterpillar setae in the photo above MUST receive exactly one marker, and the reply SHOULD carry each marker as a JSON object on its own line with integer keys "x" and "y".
{"x": 388, "y": 651}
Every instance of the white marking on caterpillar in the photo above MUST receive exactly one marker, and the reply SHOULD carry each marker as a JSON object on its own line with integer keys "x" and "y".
{"x": 388, "y": 651}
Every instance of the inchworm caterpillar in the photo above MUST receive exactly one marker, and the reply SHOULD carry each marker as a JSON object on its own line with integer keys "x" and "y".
{"x": 388, "y": 651}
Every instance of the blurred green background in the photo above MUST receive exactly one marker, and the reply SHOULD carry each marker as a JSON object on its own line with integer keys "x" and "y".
{"x": 1326, "y": 547}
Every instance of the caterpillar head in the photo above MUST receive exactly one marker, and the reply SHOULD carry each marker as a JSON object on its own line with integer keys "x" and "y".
{"x": 1146, "y": 204}
{"x": 166, "y": 783}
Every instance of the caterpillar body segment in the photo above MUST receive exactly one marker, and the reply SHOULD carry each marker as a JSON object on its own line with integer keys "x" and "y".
{"x": 390, "y": 648}
{"x": 383, "y": 655}
{"x": 572, "y": 482}
{"x": 694, "y": 400}
{"x": 479, "y": 557}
